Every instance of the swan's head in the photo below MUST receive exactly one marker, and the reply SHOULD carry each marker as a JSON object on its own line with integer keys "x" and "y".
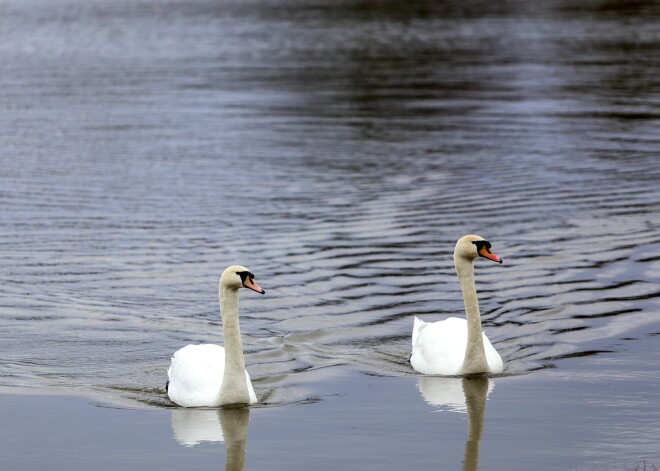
{"x": 472, "y": 246}
{"x": 237, "y": 276}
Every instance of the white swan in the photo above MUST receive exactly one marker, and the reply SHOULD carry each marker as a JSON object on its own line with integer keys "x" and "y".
{"x": 458, "y": 346}
{"x": 209, "y": 375}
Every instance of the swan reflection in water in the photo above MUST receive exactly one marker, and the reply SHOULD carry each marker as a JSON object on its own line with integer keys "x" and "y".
{"x": 193, "y": 426}
{"x": 463, "y": 395}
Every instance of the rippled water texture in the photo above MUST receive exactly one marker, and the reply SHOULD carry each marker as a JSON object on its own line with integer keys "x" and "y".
{"x": 337, "y": 149}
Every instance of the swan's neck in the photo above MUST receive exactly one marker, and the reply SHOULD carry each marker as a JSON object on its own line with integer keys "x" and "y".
{"x": 475, "y": 355}
{"x": 234, "y": 388}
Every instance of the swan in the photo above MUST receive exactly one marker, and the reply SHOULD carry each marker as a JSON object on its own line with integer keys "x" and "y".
{"x": 209, "y": 375}
{"x": 457, "y": 346}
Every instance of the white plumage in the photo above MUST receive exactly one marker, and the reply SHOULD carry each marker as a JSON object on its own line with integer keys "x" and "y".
{"x": 209, "y": 375}
{"x": 195, "y": 376}
{"x": 439, "y": 348}
{"x": 458, "y": 346}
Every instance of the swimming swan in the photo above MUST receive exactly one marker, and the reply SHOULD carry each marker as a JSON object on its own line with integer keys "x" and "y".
{"x": 458, "y": 346}
{"x": 209, "y": 375}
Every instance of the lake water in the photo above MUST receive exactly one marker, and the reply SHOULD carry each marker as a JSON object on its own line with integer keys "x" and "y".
{"x": 338, "y": 149}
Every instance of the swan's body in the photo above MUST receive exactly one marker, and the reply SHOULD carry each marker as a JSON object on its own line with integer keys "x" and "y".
{"x": 440, "y": 347}
{"x": 209, "y": 375}
{"x": 458, "y": 346}
{"x": 196, "y": 375}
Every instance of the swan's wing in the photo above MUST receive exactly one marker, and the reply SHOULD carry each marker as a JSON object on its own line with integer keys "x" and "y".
{"x": 253, "y": 396}
{"x": 418, "y": 326}
{"x": 439, "y": 348}
{"x": 495, "y": 363}
{"x": 195, "y": 375}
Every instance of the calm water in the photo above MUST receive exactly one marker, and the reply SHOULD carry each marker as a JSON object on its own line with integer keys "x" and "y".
{"x": 338, "y": 149}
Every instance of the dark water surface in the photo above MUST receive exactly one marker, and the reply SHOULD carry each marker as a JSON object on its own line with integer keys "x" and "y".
{"x": 338, "y": 149}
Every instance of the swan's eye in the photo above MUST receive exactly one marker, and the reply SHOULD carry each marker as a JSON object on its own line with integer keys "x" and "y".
{"x": 244, "y": 275}
{"x": 482, "y": 244}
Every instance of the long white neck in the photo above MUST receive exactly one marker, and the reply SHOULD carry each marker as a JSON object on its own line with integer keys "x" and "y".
{"x": 475, "y": 355}
{"x": 234, "y": 388}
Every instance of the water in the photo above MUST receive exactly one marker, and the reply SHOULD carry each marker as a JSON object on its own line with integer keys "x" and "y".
{"x": 337, "y": 149}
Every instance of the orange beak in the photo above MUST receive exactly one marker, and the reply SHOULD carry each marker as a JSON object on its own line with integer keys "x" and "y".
{"x": 484, "y": 252}
{"x": 249, "y": 283}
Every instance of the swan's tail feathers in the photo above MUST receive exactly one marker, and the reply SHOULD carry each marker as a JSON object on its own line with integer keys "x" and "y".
{"x": 418, "y": 326}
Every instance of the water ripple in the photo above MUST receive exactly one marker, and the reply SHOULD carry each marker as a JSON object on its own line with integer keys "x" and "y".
{"x": 340, "y": 164}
